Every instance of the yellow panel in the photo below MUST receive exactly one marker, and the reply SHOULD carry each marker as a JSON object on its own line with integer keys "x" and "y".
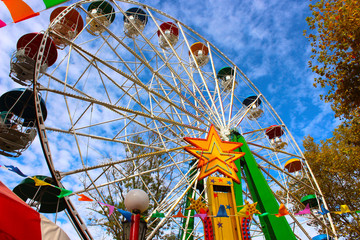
{"x": 220, "y": 192}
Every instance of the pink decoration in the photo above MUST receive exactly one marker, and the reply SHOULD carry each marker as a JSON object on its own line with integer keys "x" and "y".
{"x": 2, "y": 24}
{"x": 305, "y": 211}
{"x": 201, "y": 215}
{"x": 111, "y": 208}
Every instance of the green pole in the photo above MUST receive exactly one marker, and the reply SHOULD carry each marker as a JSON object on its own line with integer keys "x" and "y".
{"x": 190, "y": 226}
{"x": 238, "y": 187}
{"x": 274, "y": 228}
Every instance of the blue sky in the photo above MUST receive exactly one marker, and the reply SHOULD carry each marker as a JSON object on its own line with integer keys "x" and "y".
{"x": 264, "y": 39}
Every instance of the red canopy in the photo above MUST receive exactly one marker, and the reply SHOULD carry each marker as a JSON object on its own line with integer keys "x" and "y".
{"x": 20, "y": 221}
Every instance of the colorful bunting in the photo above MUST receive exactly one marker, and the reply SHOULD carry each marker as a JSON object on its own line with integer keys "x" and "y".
{"x": 51, "y": 3}
{"x": 64, "y": 192}
{"x": 200, "y": 207}
{"x": 323, "y": 210}
{"x": 13, "y": 169}
{"x": 179, "y": 214}
{"x": 282, "y": 211}
{"x": 343, "y": 209}
{"x": 158, "y": 215}
{"x": 2, "y": 24}
{"x": 305, "y": 211}
{"x": 126, "y": 214}
{"x": 201, "y": 215}
{"x": 19, "y": 10}
{"x": 39, "y": 182}
{"x": 84, "y": 198}
{"x": 264, "y": 214}
{"x": 111, "y": 207}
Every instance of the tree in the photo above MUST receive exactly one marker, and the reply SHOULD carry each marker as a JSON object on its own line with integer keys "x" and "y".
{"x": 336, "y": 166}
{"x": 158, "y": 182}
{"x": 335, "y": 41}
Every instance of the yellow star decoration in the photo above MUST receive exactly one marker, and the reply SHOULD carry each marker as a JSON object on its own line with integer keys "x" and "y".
{"x": 215, "y": 155}
{"x": 197, "y": 205}
{"x": 248, "y": 210}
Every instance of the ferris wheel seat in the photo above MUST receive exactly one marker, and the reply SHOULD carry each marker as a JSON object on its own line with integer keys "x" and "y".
{"x": 133, "y": 27}
{"x": 312, "y": 200}
{"x": 255, "y": 113}
{"x": 170, "y": 37}
{"x": 14, "y": 141}
{"x": 22, "y": 68}
{"x": 322, "y": 237}
{"x": 293, "y": 165}
{"x": 67, "y": 27}
{"x": 97, "y": 26}
{"x": 103, "y": 12}
{"x": 200, "y": 52}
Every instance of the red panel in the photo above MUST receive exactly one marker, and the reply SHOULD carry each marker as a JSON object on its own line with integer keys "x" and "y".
{"x": 32, "y": 42}
{"x": 72, "y": 18}
{"x": 17, "y": 220}
{"x": 274, "y": 131}
{"x": 19, "y": 10}
{"x": 169, "y": 26}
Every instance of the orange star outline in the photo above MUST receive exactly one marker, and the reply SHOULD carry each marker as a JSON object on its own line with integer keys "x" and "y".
{"x": 215, "y": 155}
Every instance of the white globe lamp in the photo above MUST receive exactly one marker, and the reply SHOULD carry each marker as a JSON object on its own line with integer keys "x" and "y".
{"x": 136, "y": 201}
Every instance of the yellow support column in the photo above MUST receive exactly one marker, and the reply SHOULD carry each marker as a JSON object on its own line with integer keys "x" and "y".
{"x": 221, "y": 192}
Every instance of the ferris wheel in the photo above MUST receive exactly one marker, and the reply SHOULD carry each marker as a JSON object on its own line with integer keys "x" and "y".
{"x": 124, "y": 84}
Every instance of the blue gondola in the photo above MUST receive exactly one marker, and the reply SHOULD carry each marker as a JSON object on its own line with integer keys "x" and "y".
{"x": 322, "y": 237}
{"x": 135, "y": 20}
{"x": 255, "y": 111}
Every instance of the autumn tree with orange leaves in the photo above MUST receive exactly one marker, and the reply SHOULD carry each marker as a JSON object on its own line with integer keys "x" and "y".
{"x": 335, "y": 39}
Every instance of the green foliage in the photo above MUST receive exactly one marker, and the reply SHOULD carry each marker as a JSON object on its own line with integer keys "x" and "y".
{"x": 336, "y": 166}
{"x": 335, "y": 39}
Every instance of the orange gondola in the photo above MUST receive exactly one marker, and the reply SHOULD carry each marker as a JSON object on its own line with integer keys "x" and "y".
{"x": 200, "y": 52}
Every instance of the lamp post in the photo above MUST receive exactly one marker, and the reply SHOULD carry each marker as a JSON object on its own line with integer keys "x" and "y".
{"x": 136, "y": 201}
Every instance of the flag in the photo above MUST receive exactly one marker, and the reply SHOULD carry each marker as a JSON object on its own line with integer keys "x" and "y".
{"x": 343, "y": 209}
{"x": 201, "y": 215}
{"x": 39, "y": 182}
{"x": 64, "y": 192}
{"x": 19, "y": 10}
{"x": 126, "y": 214}
{"x": 305, "y": 211}
{"x": 20, "y": 221}
{"x": 111, "y": 208}
{"x": 51, "y": 3}
{"x": 15, "y": 170}
{"x": 158, "y": 215}
{"x": 179, "y": 214}
{"x": 2, "y": 24}
{"x": 323, "y": 210}
{"x": 282, "y": 211}
{"x": 84, "y": 198}
{"x": 242, "y": 213}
